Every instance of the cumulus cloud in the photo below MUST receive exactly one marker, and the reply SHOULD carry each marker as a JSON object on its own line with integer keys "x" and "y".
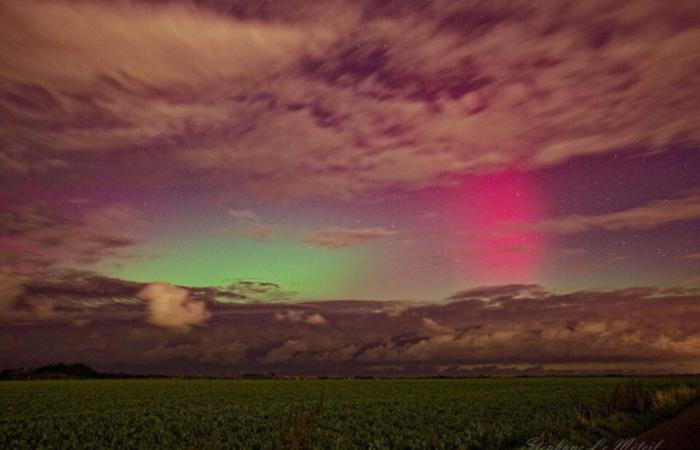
{"x": 644, "y": 217}
{"x": 293, "y": 316}
{"x": 316, "y": 319}
{"x": 337, "y": 237}
{"x": 170, "y": 307}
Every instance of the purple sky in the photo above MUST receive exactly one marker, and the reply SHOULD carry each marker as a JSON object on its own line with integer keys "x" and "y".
{"x": 327, "y": 187}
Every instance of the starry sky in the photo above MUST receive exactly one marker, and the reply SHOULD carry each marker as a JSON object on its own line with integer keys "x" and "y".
{"x": 401, "y": 187}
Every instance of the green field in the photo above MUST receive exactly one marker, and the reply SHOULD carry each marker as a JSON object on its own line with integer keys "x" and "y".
{"x": 330, "y": 414}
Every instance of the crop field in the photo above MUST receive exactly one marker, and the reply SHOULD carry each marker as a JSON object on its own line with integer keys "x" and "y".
{"x": 331, "y": 414}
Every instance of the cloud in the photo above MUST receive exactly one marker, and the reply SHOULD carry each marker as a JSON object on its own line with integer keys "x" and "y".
{"x": 247, "y": 229}
{"x": 170, "y": 307}
{"x": 491, "y": 293}
{"x": 691, "y": 256}
{"x": 316, "y": 319}
{"x": 586, "y": 326}
{"x": 435, "y": 327}
{"x": 199, "y": 43}
{"x": 361, "y": 98}
{"x": 19, "y": 302}
{"x": 244, "y": 214}
{"x": 643, "y": 328}
{"x": 293, "y": 316}
{"x": 337, "y": 237}
{"x": 249, "y": 225}
{"x": 651, "y": 215}
{"x": 10, "y": 289}
{"x": 73, "y": 297}
{"x": 37, "y": 234}
{"x": 226, "y": 353}
{"x": 260, "y": 290}
{"x": 691, "y": 281}
{"x": 285, "y": 352}
{"x": 262, "y": 232}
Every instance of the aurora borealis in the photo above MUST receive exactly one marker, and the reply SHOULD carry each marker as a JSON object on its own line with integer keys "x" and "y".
{"x": 349, "y": 187}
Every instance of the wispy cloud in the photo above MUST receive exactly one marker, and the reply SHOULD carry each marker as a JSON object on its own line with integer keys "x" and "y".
{"x": 338, "y": 237}
{"x": 357, "y": 96}
{"x": 249, "y": 225}
{"x": 243, "y": 214}
{"x": 651, "y": 215}
{"x": 36, "y": 235}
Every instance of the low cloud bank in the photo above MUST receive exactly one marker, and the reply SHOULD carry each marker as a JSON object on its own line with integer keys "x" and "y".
{"x": 633, "y": 330}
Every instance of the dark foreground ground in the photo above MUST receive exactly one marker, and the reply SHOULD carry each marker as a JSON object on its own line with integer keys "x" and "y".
{"x": 502, "y": 413}
{"x": 681, "y": 432}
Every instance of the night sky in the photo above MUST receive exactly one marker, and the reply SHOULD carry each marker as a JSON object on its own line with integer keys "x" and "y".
{"x": 350, "y": 187}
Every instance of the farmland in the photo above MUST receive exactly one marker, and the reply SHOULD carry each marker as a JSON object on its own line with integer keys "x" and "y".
{"x": 331, "y": 414}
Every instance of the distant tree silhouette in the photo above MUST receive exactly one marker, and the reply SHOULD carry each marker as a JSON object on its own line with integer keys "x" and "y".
{"x": 52, "y": 372}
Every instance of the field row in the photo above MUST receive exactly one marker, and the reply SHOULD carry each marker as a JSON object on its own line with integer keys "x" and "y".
{"x": 330, "y": 414}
